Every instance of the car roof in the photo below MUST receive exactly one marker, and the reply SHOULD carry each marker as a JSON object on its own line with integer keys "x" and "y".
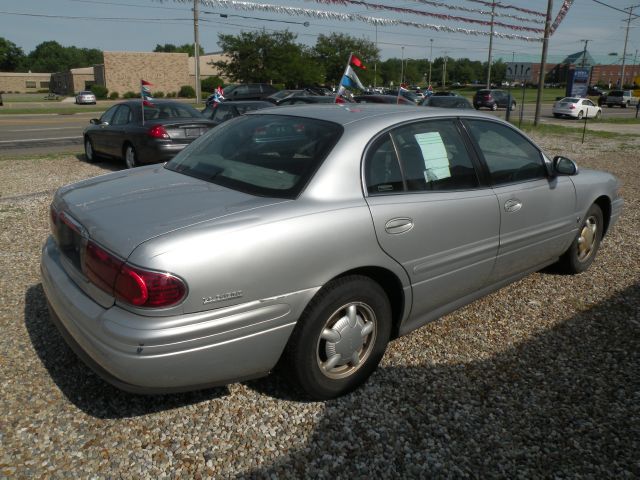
{"x": 382, "y": 115}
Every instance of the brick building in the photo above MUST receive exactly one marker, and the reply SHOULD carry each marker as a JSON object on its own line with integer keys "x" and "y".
{"x": 72, "y": 81}
{"x": 24, "y": 82}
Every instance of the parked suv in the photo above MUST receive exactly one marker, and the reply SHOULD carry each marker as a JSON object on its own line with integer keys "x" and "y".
{"x": 493, "y": 99}
{"x": 621, "y": 98}
{"x": 249, "y": 91}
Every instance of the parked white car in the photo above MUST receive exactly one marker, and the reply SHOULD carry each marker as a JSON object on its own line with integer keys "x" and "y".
{"x": 576, "y": 108}
{"x": 86, "y": 97}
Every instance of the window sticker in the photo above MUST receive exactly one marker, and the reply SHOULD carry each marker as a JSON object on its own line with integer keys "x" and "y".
{"x": 434, "y": 153}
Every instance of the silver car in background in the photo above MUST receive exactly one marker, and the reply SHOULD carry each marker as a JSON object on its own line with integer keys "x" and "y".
{"x": 85, "y": 97}
{"x": 308, "y": 237}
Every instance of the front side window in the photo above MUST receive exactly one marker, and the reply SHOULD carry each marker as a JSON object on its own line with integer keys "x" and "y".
{"x": 108, "y": 115}
{"x": 421, "y": 157}
{"x": 265, "y": 155}
{"x": 509, "y": 156}
{"x": 122, "y": 115}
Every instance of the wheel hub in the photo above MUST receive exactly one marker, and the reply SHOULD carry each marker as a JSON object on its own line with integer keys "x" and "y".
{"x": 587, "y": 239}
{"x": 347, "y": 340}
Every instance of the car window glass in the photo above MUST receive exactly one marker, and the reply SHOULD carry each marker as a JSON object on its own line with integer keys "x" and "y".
{"x": 382, "y": 171}
{"x": 253, "y": 89}
{"x": 589, "y": 102}
{"x": 122, "y": 115}
{"x": 509, "y": 156}
{"x": 223, "y": 113}
{"x": 107, "y": 116}
{"x": 434, "y": 157}
{"x": 267, "y": 155}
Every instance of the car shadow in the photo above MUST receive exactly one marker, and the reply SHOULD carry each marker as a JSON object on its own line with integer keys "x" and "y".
{"x": 563, "y": 403}
{"x": 80, "y": 384}
{"x": 110, "y": 164}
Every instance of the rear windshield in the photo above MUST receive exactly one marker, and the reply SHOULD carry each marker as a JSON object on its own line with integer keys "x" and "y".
{"x": 484, "y": 92}
{"x": 570, "y": 100}
{"x": 265, "y": 155}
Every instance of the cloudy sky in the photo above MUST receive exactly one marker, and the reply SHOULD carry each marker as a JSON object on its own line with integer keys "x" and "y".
{"x": 138, "y": 25}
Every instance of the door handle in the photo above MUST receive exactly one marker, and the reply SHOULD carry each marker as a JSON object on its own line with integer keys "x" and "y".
{"x": 512, "y": 205}
{"x": 398, "y": 225}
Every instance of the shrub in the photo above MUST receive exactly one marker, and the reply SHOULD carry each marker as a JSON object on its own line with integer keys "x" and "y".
{"x": 157, "y": 94}
{"x": 99, "y": 91}
{"x": 187, "y": 91}
{"x": 130, "y": 94}
{"x": 114, "y": 95}
{"x": 171, "y": 94}
{"x": 210, "y": 84}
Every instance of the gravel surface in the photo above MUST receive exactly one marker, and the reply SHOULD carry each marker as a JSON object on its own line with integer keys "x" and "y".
{"x": 540, "y": 379}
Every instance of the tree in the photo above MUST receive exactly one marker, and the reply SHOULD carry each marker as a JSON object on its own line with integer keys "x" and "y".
{"x": 332, "y": 53}
{"x": 11, "y": 56}
{"x": 171, "y": 48}
{"x": 267, "y": 58}
{"x": 52, "y": 57}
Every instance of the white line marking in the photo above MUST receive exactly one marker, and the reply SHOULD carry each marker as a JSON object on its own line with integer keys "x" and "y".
{"x": 41, "y": 129}
{"x": 40, "y": 139}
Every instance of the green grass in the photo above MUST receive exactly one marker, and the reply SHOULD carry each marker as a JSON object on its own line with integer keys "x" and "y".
{"x": 621, "y": 121}
{"x": 549, "y": 129}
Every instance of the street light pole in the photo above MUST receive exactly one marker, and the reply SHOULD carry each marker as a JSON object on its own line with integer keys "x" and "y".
{"x": 626, "y": 38}
{"x": 543, "y": 60}
{"x": 493, "y": 9}
{"x": 196, "y": 48}
{"x": 402, "y": 68}
{"x": 430, "y": 60}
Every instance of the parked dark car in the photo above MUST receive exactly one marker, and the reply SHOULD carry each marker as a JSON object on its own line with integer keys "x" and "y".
{"x": 392, "y": 99}
{"x": 221, "y": 112}
{"x": 124, "y": 132}
{"x": 248, "y": 91}
{"x": 312, "y": 99}
{"x": 453, "y": 101}
{"x": 493, "y": 99}
{"x": 408, "y": 95}
{"x": 445, "y": 94}
{"x": 281, "y": 95}
{"x": 595, "y": 91}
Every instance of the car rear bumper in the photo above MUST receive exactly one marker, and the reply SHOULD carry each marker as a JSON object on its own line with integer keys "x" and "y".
{"x": 188, "y": 352}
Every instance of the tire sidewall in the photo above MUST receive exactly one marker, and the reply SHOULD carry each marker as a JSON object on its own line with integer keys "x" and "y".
{"x": 574, "y": 264}
{"x": 302, "y": 354}
{"x": 90, "y": 158}
{"x": 135, "y": 159}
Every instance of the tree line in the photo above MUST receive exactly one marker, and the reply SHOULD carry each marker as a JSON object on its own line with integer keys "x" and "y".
{"x": 275, "y": 57}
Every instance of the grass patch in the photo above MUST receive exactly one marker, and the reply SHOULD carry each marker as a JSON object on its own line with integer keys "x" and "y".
{"x": 620, "y": 121}
{"x": 548, "y": 129}
{"x": 52, "y": 110}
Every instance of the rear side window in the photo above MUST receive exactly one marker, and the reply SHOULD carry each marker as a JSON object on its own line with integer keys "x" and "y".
{"x": 420, "y": 157}
{"x": 509, "y": 156}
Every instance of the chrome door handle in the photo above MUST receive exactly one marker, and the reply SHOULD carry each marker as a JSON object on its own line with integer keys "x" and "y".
{"x": 512, "y": 205}
{"x": 398, "y": 225}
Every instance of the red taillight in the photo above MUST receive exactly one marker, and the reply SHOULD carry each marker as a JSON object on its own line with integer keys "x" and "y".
{"x": 100, "y": 267}
{"x": 572, "y": 106}
{"x": 340, "y": 100}
{"x": 138, "y": 287}
{"x": 143, "y": 288}
{"x": 158, "y": 131}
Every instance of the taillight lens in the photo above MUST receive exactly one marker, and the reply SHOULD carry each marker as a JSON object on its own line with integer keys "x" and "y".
{"x": 572, "y": 106}
{"x": 132, "y": 285}
{"x": 158, "y": 131}
{"x": 340, "y": 100}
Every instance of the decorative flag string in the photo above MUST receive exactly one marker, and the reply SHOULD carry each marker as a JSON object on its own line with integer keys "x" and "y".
{"x": 411, "y": 11}
{"x": 477, "y": 10}
{"x": 566, "y": 5}
{"x": 145, "y": 95}
{"x": 512, "y": 7}
{"x": 350, "y": 79}
{"x": 335, "y": 16}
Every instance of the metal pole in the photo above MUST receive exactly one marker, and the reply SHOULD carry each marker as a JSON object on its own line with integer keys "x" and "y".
{"x": 584, "y": 52}
{"x": 375, "y": 65}
{"x": 493, "y": 9}
{"x": 624, "y": 52}
{"x": 401, "y": 69}
{"x": 196, "y": 47}
{"x": 444, "y": 71}
{"x": 543, "y": 60}
{"x": 430, "y": 60}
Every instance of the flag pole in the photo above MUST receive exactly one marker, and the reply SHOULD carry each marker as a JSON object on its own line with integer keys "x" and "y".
{"x": 142, "y": 102}
{"x": 343, "y": 74}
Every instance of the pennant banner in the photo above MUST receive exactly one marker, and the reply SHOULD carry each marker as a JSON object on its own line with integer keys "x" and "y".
{"x": 566, "y": 5}
{"x": 328, "y": 15}
{"x": 506, "y": 6}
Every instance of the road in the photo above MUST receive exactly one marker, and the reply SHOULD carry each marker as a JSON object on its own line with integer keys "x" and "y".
{"x": 55, "y": 133}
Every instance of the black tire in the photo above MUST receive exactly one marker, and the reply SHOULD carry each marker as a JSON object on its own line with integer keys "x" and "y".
{"x": 584, "y": 247}
{"x": 557, "y": 115}
{"x": 580, "y": 115}
{"x": 89, "y": 153}
{"x": 307, "y": 358}
{"x": 598, "y": 114}
{"x": 130, "y": 156}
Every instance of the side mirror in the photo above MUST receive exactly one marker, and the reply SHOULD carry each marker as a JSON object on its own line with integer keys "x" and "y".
{"x": 94, "y": 121}
{"x": 564, "y": 166}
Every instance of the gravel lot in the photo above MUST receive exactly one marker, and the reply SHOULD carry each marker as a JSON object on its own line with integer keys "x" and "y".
{"x": 540, "y": 379}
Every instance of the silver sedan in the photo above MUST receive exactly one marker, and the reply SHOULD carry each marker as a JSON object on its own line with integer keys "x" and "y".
{"x": 309, "y": 237}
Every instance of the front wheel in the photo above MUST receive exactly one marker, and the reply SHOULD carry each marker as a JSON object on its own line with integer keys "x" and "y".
{"x": 130, "y": 156}
{"x": 89, "y": 152}
{"x": 340, "y": 338}
{"x": 598, "y": 114}
{"x": 582, "y": 251}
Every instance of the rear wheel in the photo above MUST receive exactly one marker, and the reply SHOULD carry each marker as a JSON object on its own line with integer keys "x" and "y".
{"x": 130, "y": 156}
{"x": 340, "y": 338}
{"x": 582, "y": 251}
{"x": 580, "y": 115}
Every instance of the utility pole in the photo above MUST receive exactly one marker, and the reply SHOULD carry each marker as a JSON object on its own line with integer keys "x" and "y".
{"x": 584, "y": 52}
{"x": 444, "y": 71}
{"x": 493, "y": 9}
{"x": 430, "y": 60}
{"x": 375, "y": 65}
{"x": 626, "y": 37}
{"x": 401, "y": 69}
{"x": 196, "y": 47}
{"x": 543, "y": 60}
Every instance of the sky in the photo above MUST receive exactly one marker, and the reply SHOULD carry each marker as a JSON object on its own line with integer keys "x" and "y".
{"x": 139, "y": 25}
